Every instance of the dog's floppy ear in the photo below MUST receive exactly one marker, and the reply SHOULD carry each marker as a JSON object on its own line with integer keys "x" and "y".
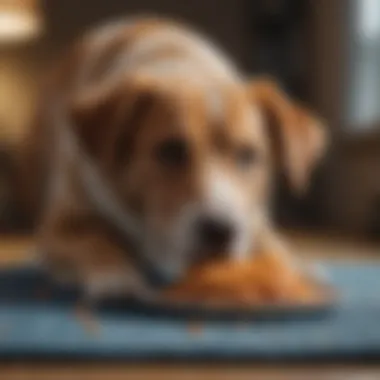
{"x": 106, "y": 118}
{"x": 298, "y": 137}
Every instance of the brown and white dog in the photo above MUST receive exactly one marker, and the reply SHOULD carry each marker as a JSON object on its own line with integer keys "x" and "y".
{"x": 150, "y": 146}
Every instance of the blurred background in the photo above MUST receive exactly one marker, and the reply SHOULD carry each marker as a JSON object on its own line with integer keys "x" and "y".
{"x": 325, "y": 53}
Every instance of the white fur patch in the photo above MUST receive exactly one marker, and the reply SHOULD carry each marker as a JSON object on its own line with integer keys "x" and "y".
{"x": 104, "y": 35}
{"x": 224, "y": 199}
{"x": 192, "y": 47}
{"x": 221, "y": 194}
{"x": 177, "y": 66}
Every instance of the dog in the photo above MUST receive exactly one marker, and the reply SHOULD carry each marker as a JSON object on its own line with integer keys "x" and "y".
{"x": 150, "y": 151}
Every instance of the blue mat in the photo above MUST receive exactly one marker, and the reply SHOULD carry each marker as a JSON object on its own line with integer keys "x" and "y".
{"x": 36, "y": 324}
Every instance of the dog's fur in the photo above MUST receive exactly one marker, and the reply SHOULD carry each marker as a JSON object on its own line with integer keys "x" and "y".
{"x": 96, "y": 156}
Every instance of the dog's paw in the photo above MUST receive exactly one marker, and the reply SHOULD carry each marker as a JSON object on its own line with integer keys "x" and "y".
{"x": 51, "y": 266}
{"x": 115, "y": 284}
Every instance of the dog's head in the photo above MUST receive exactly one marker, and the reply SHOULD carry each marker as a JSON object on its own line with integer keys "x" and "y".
{"x": 194, "y": 161}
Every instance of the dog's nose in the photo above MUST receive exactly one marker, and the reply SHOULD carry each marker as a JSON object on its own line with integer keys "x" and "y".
{"x": 214, "y": 233}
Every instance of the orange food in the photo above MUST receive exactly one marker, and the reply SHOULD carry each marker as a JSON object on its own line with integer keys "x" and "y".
{"x": 266, "y": 279}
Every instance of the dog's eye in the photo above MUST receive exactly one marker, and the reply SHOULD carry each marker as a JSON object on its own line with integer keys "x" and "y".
{"x": 247, "y": 156}
{"x": 173, "y": 152}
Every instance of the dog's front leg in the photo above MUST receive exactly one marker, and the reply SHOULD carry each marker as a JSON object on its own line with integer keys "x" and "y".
{"x": 91, "y": 258}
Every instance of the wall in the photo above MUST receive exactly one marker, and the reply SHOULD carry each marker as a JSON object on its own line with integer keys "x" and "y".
{"x": 352, "y": 177}
{"x": 225, "y": 20}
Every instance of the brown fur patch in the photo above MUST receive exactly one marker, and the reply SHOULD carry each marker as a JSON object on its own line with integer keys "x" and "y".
{"x": 298, "y": 137}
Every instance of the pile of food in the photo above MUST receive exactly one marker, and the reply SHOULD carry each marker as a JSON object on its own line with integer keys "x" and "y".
{"x": 265, "y": 280}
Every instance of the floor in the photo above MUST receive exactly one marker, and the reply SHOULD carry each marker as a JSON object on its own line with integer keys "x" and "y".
{"x": 187, "y": 372}
{"x": 14, "y": 250}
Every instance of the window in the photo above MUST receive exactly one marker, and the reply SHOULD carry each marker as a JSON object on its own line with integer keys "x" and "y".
{"x": 363, "y": 111}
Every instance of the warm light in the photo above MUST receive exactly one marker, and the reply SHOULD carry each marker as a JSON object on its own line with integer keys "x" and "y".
{"x": 19, "y": 21}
